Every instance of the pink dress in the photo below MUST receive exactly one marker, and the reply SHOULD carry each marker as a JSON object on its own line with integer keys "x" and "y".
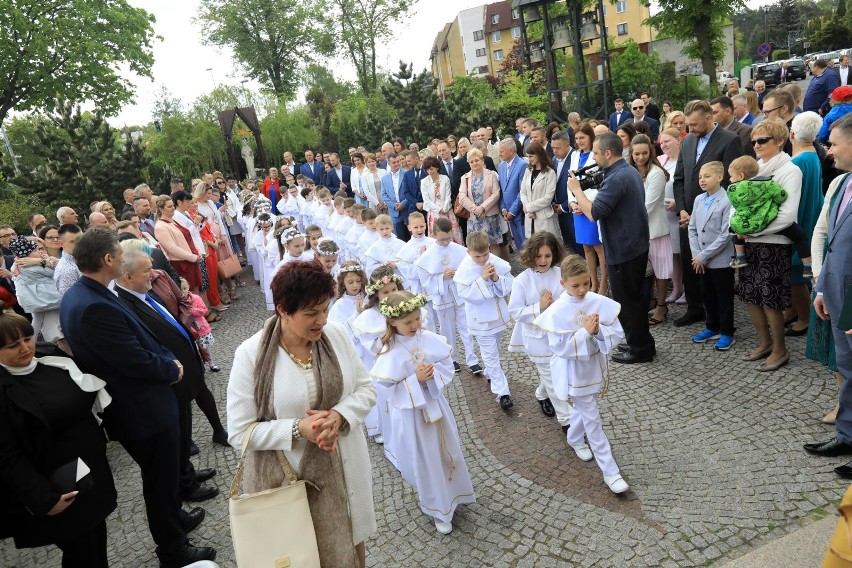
{"x": 202, "y": 326}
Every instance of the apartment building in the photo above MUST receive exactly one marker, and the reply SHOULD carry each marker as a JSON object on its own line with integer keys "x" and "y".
{"x": 478, "y": 40}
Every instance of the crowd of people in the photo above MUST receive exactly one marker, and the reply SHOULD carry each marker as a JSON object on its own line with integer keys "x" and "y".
{"x": 373, "y": 268}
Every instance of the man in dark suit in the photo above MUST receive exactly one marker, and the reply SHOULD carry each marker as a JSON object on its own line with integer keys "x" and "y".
{"x": 134, "y": 289}
{"x": 638, "y": 110}
{"x": 651, "y": 110}
{"x": 110, "y": 341}
{"x": 706, "y": 142}
{"x": 292, "y": 166}
{"x": 723, "y": 114}
{"x": 411, "y": 181}
{"x": 339, "y": 176}
{"x": 561, "y": 152}
{"x": 539, "y": 136}
{"x": 312, "y": 169}
{"x": 842, "y": 70}
{"x": 620, "y": 116}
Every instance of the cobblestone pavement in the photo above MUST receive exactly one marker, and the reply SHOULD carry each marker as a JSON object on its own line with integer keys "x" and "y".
{"x": 710, "y": 447}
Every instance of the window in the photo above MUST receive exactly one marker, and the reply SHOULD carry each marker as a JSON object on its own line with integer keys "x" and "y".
{"x": 622, "y": 29}
{"x": 480, "y": 52}
{"x": 621, "y": 6}
{"x": 516, "y": 31}
{"x": 478, "y": 36}
{"x": 496, "y": 37}
{"x": 495, "y": 18}
{"x": 498, "y": 55}
{"x": 516, "y": 14}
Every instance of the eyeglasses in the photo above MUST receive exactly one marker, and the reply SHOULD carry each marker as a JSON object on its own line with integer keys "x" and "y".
{"x": 766, "y": 112}
{"x": 638, "y": 108}
{"x": 762, "y": 140}
{"x": 56, "y": 238}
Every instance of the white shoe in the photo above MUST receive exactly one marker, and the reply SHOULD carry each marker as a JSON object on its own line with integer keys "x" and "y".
{"x": 616, "y": 483}
{"x": 583, "y": 452}
{"x": 443, "y": 528}
{"x": 379, "y": 439}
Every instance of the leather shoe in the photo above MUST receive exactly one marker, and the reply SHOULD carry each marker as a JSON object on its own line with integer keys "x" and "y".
{"x": 689, "y": 318}
{"x": 192, "y": 519}
{"x": 830, "y": 449}
{"x": 506, "y": 402}
{"x": 628, "y": 357}
{"x": 221, "y": 438}
{"x": 844, "y": 471}
{"x": 565, "y": 429}
{"x": 187, "y": 555}
{"x": 623, "y": 346}
{"x": 193, "y": 449}
{"x": 547, "y": 408}
{"x": 202, "y": 475}
{"x": 201, "y": 493}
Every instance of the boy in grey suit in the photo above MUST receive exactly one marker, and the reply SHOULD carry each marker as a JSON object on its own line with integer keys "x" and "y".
{"x": 711, "y": 247}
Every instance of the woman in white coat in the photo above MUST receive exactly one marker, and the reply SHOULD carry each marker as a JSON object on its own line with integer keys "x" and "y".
{"x": 537, "y": 190}
{"x": 298, "y": 362}
{"x": 371, "y": 183}
{"x": 437, "y": 197}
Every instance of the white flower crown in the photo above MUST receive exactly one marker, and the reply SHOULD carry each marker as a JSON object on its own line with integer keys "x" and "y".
{"x": 404, "y": 308}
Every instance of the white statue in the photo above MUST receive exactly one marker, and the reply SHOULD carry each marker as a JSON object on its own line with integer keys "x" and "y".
{"x": 248, "y": 158}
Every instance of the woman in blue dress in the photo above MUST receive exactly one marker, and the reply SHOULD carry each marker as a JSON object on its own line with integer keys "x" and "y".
{"x": 585, "y": 230}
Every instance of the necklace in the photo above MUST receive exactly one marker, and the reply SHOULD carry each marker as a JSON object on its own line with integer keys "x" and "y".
{"x": 417, "y": 354}
{"x": 309, "y": 364}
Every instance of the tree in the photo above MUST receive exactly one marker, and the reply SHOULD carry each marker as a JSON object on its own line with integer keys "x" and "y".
{"x": 632, "y": 71}
{"x": 697, "y": 23}
{"x": 471, "y": 103}
{"x": 516, "y": 100}
{"x": 271, "y": 39}
{"x": 785, "y": 23}
{"x": 74, "y": 49}
{"x": 420, "y": 113}
{"x": 363, "y": 23}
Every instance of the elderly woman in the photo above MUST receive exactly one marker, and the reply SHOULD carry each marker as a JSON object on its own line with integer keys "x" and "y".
{"x": 271, "y": 187}
{"x": 803, "y": 132}
{"x": 538, "y": 187}
{"x": 176, "y": 241}
{"x": 437, "y": 198}
{"x": 107, "y": 210}
{"x": 670, "y": 139}
{"x": 479, "y": 193}
{"x": 298, "y": 362}
{"x": 765, "y": 282}
{"x": 47, "y": 426}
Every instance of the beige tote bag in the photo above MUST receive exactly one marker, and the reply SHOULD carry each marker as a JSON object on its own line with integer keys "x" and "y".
{"x": 272, "y": 528}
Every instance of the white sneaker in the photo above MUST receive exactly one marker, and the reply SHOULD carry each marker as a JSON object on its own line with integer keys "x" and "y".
{"x": 583, "y": 452}
{"x": 443, "y": 528}
{"x": 379, "y": 439}
{"x": 616, "y": 483}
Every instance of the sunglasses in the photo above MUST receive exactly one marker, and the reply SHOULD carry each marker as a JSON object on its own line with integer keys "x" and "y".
{"x": 638, "y": 108}
{"x": 762, "y": 140}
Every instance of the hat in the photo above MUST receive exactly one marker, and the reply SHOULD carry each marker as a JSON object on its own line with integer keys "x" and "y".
{"x": 842, "y": 94}
{"x": 23, "y": 246}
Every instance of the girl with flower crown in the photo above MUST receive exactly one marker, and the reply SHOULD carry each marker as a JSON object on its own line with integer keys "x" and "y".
{"x": 413, "y": 368}
{"x": 294, "y": 248}
{"x": 369, "y": 327}
{"x": 351, "y": 283}
{"x": 328, "y": 254}
{"x": 262, "y": 240}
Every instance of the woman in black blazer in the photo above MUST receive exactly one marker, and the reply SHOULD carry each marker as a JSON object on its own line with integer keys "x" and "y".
{"x": 46, "y": 422}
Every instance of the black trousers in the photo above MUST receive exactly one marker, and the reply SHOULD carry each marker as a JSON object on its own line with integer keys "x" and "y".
{"x": 691, "y": 285}
{"x": 626, "y": 280}
{"x": 717, "y": 292}
{"x": 187, "y": 484}
{"x": 569, "y": 239}
{"x": 159, "y": 459}
{"x": 400, "y": 228}
{"x": 87, "y": 550}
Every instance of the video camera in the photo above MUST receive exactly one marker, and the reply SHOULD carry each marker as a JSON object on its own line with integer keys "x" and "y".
{"x": 589, "y": 176}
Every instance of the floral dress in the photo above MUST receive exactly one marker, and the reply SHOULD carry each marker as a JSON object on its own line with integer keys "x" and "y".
{"x": 489, "y": 225}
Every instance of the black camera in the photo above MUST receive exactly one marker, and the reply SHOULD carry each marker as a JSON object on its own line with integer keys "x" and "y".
{"x": 589, "y": 176}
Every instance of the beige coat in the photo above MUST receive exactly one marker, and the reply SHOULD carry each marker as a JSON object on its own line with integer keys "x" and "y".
{"x": 491, "y": 189}
{"x": 538, "y": 198}
{"x": 173, "y": 242}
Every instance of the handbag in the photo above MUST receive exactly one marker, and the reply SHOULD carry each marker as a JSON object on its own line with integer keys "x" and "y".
{"x": 272, "y": 528}
{"x": 459, "y": 209}
{"x": 228, "y": 264}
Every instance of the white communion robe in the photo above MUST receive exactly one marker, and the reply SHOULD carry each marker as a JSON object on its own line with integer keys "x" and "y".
{"x": 423, "y": 423}
{"x": 369, "y": 327}
{"x": 406, "y": 257}
{"x": 381, "y": 251}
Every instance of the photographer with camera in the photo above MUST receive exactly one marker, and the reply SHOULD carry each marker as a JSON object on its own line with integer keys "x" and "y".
{"x": 620, "y": 209}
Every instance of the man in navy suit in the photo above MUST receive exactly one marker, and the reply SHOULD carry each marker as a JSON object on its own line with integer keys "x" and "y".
{"x": 339, "y": 176}
{"x": 398, "y": 207}
{"x": 561, "y": 151}
{"x": 111, "y": 342}
{"x": 511, "y": 172}
{"x": 619, "y": 117}
{"x": 312, "y": 169}
{"x": 638, "y": 109}
{"x": 411, "y": 179}
{"x": 291, "y": 165}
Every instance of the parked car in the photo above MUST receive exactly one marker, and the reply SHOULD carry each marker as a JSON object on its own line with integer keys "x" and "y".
{"x": 722, "y": 78}
{"x": 766, "y": 72}
{"x": 796, "y": 69}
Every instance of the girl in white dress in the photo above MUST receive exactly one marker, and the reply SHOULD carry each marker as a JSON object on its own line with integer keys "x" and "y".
{"x": 261, "y": 240}
{"x": 413, "y": 367}
{"x": 533, "y": 291}
{"x": 582, "y": 329}
{"x": 369, "y": 327}
{"x": 328, "y": 254}
{"x": 354, "y": 233}
{"x": 294, "y": 247}
{"x": 351, "y": 286}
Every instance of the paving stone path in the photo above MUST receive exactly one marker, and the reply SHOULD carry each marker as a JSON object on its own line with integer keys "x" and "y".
{"x": 711, "y": 449}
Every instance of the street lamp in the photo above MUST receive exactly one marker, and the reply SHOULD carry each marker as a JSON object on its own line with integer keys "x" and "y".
{"x": 211, "y": 75}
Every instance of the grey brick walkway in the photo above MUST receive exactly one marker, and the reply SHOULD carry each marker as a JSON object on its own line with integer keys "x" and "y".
{"x": 710, "y": 447}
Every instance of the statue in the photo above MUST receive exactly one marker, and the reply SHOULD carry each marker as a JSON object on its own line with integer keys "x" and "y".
{"x": 248, "y": 158}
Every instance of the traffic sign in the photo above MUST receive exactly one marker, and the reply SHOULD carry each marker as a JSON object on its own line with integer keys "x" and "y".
{"x": 764, "y": 50}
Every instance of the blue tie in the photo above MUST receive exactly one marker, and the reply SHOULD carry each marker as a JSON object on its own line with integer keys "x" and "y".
{"x": 168, "y": 316}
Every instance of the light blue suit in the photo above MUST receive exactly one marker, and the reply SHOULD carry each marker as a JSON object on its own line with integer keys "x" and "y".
{"x": 399, "y": 218}
{"x": 510, "y": 196}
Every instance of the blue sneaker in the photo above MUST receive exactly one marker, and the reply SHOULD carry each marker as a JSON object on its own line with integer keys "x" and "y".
{"x": 725, "y": 342}
{"x": 705, "y": 336}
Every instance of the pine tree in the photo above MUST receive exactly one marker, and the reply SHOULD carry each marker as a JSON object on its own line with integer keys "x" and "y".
{"x": 421, "y": 114}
